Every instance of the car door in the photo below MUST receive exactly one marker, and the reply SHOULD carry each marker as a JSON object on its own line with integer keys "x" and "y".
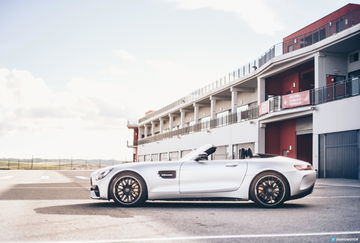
{"x": 211, "y": 176}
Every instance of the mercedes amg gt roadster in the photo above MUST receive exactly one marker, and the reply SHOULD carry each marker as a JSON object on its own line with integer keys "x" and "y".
{"x": 268, "y": 180}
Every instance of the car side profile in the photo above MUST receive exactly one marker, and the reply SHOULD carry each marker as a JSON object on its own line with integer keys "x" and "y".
{"x": 267, "y": 180}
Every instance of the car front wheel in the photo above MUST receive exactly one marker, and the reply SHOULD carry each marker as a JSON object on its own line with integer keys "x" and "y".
{"x": 269, "y": 189}
{"x": 128, "y": 189}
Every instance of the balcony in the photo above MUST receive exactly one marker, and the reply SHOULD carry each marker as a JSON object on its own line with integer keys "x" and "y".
{"x": 336, "y": 91}
{"x": 340, "y": 90}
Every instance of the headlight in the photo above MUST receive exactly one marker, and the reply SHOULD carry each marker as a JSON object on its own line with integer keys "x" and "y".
{"x": 102, "y": 174}
{"x": 303, "y": 167}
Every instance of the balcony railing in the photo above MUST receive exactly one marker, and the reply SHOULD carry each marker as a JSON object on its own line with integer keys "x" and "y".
{"x": 336, "y": 91}
{"x": 232, "y": 118}
{"x": 343, "y": 22}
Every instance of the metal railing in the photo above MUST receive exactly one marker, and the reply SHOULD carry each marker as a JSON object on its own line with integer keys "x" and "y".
{"x": 251, "y": 113}
{"x": 336, "y": 91}
{"x": 343, "y": 22}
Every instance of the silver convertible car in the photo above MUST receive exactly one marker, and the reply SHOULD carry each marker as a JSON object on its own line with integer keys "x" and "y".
{"x": 267, "y": 180}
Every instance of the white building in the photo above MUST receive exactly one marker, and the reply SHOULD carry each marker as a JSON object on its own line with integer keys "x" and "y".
{"x": 300, "y": 99}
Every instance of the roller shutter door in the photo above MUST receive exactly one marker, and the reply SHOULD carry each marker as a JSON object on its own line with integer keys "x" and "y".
{"x": 163, "y": 156}
{"x": 174, "y": 156}
{"x": 154, "y": 157}
{"x": 147, "y": 157}
{"x": 185, "y": 152}
{"x": 220, "y": 153}
{"x": 339, "y": 155}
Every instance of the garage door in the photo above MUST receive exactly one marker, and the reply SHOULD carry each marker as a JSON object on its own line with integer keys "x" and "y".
{"x": 163, "y": 156}
{"x": 220, "y": 153}
{"x": 339, "y": 155}
{"x": 154, "y": 157}
{"x": 173, "y": 156}
{"x": 185, "y": 152}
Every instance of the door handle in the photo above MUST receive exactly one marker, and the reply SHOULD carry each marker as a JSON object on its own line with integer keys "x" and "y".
{"x": 231, "y": 165}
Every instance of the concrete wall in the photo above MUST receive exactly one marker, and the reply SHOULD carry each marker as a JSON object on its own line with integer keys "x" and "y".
{"x": 204, "y": 111}
{"x": 246, "y": 97}
{"x": 330, "y": 64}
{"x": 189, "y": 116}
{"x": 335, "y": 116}
{"x": 354, "y": 65}
{"x": 223, "y": 105}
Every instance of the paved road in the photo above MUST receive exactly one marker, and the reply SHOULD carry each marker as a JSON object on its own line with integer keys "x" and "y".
{"x": 55, "y": 206}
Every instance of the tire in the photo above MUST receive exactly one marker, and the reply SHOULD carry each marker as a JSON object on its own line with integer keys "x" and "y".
{"x": 128, "y": 189}
{"x": 269, "y": 189}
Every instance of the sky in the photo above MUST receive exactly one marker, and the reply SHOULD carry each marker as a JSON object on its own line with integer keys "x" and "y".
{"x": 73, "y": 72}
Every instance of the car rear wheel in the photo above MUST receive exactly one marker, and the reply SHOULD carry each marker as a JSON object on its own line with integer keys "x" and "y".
{"x": 128, "y": 189}
{"x": 269, "y": 189}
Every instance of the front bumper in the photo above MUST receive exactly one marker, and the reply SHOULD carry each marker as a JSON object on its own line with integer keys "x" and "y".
{"x": 98, "y": 189}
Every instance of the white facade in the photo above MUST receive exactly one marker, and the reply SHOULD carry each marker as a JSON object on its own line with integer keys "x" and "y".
{"x": 223, "y": 113}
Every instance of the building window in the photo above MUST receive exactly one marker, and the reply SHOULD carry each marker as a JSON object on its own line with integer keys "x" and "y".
{"x": 354, "y": 57}
{"x": 205, "y": 123}
{"x": 340, "y": 25}
{"x": 240, "y": 112}
{"x": 322, "y": 34}
{"x": 290, "y": 48}
{"x": 315, "y": 37}
{"x": 222, "y": 118}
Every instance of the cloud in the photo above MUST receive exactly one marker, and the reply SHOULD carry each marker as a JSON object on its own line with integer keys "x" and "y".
{"x": 27, "y": 102}
{"x": 256, "y": 13}
{"x": 124, "y": 55}
{"x": 85, "y": 119}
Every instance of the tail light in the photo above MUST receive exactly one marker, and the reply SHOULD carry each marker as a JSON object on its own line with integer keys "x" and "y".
{"x": 304, "y": 167}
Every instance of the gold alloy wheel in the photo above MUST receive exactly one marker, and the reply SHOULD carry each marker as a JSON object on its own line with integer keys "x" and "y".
{"x": 127, "y": 190}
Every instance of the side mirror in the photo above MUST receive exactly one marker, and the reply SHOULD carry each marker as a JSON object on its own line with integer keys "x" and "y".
{"x": 202, "y": 157}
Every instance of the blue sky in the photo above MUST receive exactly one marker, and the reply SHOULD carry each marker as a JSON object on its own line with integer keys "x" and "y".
{"x": 73, "y": 72}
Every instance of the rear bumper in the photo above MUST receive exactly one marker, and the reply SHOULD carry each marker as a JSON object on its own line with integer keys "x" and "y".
{"x": 303, "y": 193}
{"x": 301, "y": 182}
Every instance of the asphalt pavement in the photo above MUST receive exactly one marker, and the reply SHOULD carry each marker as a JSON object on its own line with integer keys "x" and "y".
{"x": 54, "y": 206}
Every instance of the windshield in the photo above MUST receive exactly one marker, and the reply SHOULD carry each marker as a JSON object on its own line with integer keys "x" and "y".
{"x": 194, "y": 154}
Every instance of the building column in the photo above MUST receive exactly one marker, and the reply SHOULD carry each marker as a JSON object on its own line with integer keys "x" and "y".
{"x": 171, "y": 121}
{"x": 260, "y": 89}
{"x": 141, "y": 131}
{"x": 146, "y": 132}
{"x": 152, "y": 128}
{"x": 212, "y": 107}
{"x": 196, "y": 112}
{"x": 182, "y": 117}
{"x": 319, "y": 74}
{"x": 161, "y": 124}
{"x": 234, "y": 99}
{"x": 260, "y": 145}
